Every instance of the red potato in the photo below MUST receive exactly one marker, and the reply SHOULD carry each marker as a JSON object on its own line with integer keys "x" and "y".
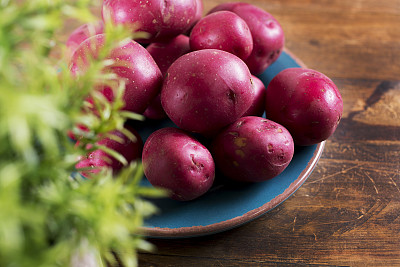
{"x": 268, "y": 36}
{"x": 206, "y": 90}
{"x": 199, "y": 10}
{"x": 222, "y": 30}
{"x": 82, "y": 33}
{"x": 131, "y": 150}
{"x": 257, "y": 108}
{"x": 306, "y": 102}
{"x": 132, "y": 63}
{"x": 75, "y": 137}
{"x": 252, "y": 149}
{"x": 174, "y": 160}
{"x": 155, "y": 111}
{"x": 165, "y": 54}
{"x": 198, "y": 16}
{"x": 162, "y": 20}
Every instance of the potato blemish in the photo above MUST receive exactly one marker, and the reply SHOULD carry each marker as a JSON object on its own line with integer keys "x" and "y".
{"x": 240, "y": 153}
{"x": 240, "y": 141}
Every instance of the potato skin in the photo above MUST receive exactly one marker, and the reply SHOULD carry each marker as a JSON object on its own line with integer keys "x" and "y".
{"x": 206, "y": 90}
{"x": 162, "y": 20}
{"x": 222, "y": 30}
{"x": 198, "y": 16}
{"x": 155, "y": 111}
{"x": 82, "y": 33}
{"x": 174, "y": 160}
{"x": 131, "y": 150}
{"x": 268, "y": 36}
{"x": 132, "y": 63}
{"x": 165, "y": 54}
{"x": 252, "y": 149}
{"x": 257, "y": 108}
{"x": 306, "y": 102}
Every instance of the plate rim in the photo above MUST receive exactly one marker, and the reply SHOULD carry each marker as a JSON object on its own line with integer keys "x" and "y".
{"x": 201, "y": 230}
{"x": 193, "y": 231}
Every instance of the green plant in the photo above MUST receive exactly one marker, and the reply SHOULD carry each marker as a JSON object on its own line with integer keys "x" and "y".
{"x": 48, "y": 217}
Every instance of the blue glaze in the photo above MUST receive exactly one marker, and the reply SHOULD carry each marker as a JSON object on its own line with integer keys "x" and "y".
{"x": 224, "y": 202}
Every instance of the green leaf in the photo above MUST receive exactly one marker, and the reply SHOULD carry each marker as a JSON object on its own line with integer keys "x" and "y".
{"x": 132, "y": 115}
{"x": 78, "y": 13}
{"x": 49, "y": 213}
{"x": 113, "y": 153}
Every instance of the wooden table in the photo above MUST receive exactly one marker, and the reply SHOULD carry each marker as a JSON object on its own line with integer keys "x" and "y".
{"x": 348, "y": 210}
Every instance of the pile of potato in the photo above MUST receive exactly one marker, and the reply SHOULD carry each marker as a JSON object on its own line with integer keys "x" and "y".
{"x": 200, "y": 73}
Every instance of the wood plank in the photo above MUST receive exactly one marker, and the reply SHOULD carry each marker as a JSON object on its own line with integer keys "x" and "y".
{"x": 340, "y": 216}
{"x": 345, "y": 39}
{"x": 168, "y": 261}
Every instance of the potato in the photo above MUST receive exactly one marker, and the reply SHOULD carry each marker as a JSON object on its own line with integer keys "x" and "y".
{"x": 257, "y": 108}
{"x": 130, "y": 149}
{"x": 82, "y": 33}
{"x": 268, "y": 36}
{"x": 206, "y": 90}
{"x": 174, "y": 160}
{"x": 132, "y": 63}
{"x": 165, "y": 54}
{"x": 155, "y": 111}
{"x": 252, "y": 149}
{"x": 222, "y": 30}
{"x": 306, "y": 102}
{"x": 162, "y": 20}
{"x": 198, "y": 16}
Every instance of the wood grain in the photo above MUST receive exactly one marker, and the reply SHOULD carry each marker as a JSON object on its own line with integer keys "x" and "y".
{"x": 348, "y": 211}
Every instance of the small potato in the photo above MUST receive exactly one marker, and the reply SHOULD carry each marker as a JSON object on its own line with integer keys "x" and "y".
{"x": 206, "y": 90}
{"x": 174, "y": 160}
{"x": 132, "y": 63}
{"x": 165, "y": 54}
{"x": 306, "y": 102}
{"x": 222, "y": 30}
{"x": 94, "y": 161}
{"x": 257, "y": 108}
{"x": 252, "y": 149}
{"x": 268, "y": 36}
{"x": 82, "y": 33}
{"x": 162, "y": 20}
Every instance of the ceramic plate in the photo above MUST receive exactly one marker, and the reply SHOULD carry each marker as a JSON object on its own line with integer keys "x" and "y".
{"x": 227, "y": 206}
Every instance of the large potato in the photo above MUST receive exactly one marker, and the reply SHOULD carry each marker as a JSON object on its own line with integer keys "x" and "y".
{"x": 174, "y": 160}
{"x": 268, "y": 36}
{"x": 132, "y": 63}
{"x": 206, "y": 90}
{"x": 252, "y": 149}
{"x": 162, "y": 20}
{"x": 306, "y": 102}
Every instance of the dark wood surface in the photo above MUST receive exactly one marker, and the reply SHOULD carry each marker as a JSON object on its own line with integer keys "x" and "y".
{"x": 348, "y": 211}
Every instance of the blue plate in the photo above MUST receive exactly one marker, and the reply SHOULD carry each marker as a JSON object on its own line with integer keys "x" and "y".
{"x": 227, "y": 206}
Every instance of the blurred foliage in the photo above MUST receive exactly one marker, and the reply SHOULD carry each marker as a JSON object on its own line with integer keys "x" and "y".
{"x": 47, "y": 217}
